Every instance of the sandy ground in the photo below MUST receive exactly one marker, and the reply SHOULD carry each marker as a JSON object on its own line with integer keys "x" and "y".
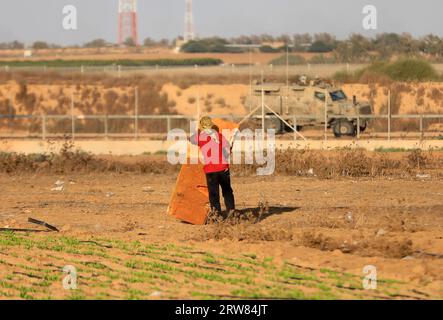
{"x": 343, "y": 225}
{"x": 215, "y": 99}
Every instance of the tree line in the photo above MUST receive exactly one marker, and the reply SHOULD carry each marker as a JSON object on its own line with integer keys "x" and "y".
{"x": 355, "y": 48}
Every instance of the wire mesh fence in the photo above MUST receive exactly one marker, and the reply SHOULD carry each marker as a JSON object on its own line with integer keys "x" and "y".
{"x": 139, "y": 126}
{"x": 255, "y": 69}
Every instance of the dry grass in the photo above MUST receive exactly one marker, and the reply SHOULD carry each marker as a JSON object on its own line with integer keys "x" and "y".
{"x": 349, "y": 163}
{"x": 343, "y": 163}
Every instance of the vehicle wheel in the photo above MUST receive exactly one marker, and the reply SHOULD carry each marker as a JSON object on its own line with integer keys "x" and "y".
{"x": 289, "y": 129}
{"x": 344, "y": 128}
{"x": 363, "y": 127}
{"x": 274, "y": 123}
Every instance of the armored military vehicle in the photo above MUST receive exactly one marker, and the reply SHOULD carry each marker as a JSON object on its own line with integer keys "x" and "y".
{"x": 305, "y": 104}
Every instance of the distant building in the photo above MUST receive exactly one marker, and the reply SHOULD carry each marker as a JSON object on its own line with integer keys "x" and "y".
{"x": 179, "y": 42}
{"x": 274, "y": 44}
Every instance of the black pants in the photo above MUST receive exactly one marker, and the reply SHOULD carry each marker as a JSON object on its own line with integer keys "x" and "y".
{"x": 215, "y": 181}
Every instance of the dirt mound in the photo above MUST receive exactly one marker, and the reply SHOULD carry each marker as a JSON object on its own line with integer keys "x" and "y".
{"x": 407, "y": 98}
{"x": 243, "y": 225}
{"x": 208, "y": 98}
{"x": 366, "y": 247}
{"x": 243, "y": 231}
{"x": 250, "y": 231}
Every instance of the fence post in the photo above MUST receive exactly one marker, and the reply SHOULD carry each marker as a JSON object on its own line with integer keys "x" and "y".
{"x": 198, "y": 103}
{"x": 106, "y": 127}
{"x": 44, "y": 127}
{"x": 168, "y": 124}
{"x": 72, "y": 117}
{"x": 358, "y": 127}
{"x": 389, "y": 115}
{"x": 326, "y": 116}
{"x": 136, "y": 114}
{"x": 263, "y": 112}
{"x": 294, "y": 123}
{"x": 10, "y": 111}
{"x": 421, "y": 127}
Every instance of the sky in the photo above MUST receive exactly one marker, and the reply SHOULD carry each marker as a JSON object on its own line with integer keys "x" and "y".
{"x": 31, "y": 20}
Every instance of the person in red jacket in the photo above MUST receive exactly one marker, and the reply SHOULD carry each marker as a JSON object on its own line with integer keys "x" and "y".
{"x": 216, "y": 151}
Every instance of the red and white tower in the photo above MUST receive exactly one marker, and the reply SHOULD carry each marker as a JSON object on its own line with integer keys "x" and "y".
{"x": 127, "y": 21}
{"x": 189, "y": 22}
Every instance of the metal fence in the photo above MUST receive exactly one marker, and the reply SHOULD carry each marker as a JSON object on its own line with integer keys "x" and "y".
{"x": 256, "y": 70}
{"x": 157, "y": 126}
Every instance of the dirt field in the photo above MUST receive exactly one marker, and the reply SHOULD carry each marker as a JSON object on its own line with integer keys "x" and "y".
{"x": 141, "y": 54}
{"x": 316, "y": 237}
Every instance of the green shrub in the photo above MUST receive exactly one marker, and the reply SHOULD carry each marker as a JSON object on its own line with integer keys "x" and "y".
{"x": 293, "y": 60}
{"x": 410, "y": 70}
{"x": 125, "y": 63}
{"x": 269, "y": 49}
{"x": 216, "y": 45}
{"x": 405, "y": 69}
{"x": 320, "y": 46}
{"x": 322, "y": 59}
{"x": 348, "y": 77}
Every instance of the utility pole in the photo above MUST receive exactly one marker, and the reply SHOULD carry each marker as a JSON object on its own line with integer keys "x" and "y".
{"x": 136, "y": 113}
{"x": 250, "y": 79}
{"x": 287, "y": 66}
{"x": 326, "y": 116}
{"x": 287, "y": 77}
{"x": 263, "y": 123}
{"x": 389, "y": 115}
{"x": 72, "y": 117}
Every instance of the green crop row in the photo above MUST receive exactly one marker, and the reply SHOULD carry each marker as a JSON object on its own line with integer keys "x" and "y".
{"x": 125, "y": 63}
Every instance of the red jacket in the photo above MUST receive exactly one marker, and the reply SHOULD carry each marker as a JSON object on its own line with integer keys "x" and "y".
{"x": 215, "y": 150}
